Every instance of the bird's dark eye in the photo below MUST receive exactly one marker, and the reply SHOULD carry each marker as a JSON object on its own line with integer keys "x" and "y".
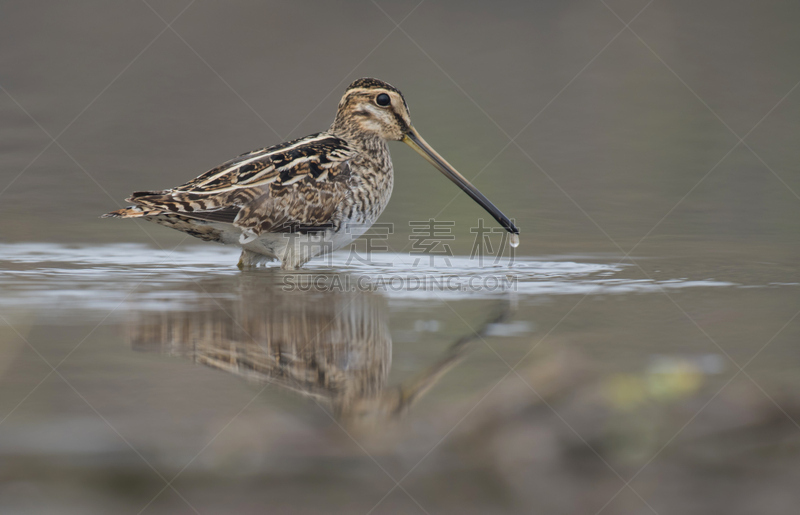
{"x": 383, "y": 100}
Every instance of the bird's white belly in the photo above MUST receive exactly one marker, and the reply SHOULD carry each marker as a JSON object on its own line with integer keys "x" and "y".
{"x": 295, "y": 249}
{"x": 291, "y": 249}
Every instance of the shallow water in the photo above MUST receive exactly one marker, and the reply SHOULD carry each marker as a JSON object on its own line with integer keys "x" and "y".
{"x": 349, "y": 374}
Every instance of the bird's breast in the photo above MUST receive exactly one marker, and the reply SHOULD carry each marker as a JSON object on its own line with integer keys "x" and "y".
{"x": 371, "y": 189}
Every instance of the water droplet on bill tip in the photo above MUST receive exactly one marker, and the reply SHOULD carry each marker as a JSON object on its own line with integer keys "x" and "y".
{"x": 514, "y": 240}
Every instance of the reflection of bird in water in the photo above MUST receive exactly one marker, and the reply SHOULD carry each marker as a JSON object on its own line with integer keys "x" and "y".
{"x": 333, "y": 347}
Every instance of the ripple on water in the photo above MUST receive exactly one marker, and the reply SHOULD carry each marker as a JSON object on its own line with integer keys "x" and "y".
{"x": 68, "y": 277}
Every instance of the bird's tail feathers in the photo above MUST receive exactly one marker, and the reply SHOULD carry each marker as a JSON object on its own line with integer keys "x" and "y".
{"x": 133, "y": 212}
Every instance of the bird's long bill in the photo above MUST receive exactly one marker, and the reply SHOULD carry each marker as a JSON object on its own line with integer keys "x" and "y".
{"x": 415, "y": 141}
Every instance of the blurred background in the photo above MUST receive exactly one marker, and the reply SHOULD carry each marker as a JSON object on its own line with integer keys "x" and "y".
{"x": 646, "y": 363}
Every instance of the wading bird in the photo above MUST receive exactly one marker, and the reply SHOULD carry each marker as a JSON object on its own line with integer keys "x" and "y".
{"x": 305, "y": 197}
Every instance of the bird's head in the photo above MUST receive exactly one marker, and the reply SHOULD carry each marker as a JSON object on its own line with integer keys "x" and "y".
{"x": 371, "y": 107}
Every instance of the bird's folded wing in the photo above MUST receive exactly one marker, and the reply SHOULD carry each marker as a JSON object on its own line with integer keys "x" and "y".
{"x": 290, "y": 187}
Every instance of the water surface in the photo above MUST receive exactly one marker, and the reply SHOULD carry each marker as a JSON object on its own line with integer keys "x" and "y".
{"x": 351, "y": 374}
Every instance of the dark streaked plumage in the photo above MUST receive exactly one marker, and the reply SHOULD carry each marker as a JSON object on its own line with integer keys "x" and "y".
{"x": 305, "y": 197}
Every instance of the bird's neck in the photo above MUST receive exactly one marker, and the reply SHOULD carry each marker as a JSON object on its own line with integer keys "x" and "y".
{"x": 367, "y": 143}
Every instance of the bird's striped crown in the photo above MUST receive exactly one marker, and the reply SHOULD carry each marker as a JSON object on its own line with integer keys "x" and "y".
{"x": 370, "y": 83}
